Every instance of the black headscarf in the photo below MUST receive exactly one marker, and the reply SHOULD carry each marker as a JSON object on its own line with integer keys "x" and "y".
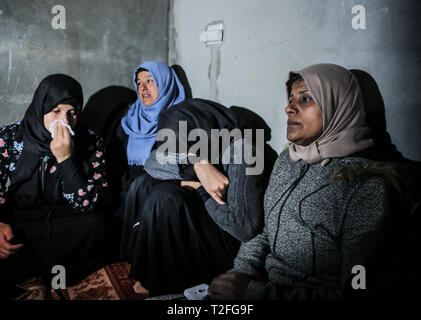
{"x": 53, "y": 90}
{"x": 198, "y": 113}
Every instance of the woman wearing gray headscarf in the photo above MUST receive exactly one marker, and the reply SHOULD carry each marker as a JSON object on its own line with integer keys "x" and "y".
{"x": 318, "y": 225}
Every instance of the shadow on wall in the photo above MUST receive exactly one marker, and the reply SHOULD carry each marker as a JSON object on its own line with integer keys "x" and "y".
{"x": 105, "y": 108}
{"x": 252, "y": 120}
{"x": 384, "y": 149}
{"x": 376, "y": 118}
{"x": 102, "y": 114}
{"x": 181, "y": 74}
{"x": 404, "y": 74}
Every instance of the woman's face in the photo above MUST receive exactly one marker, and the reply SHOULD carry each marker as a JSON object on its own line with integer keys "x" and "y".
{"x": 146, "y": 88}
{"x": 305, "y": 122}
{"x": 63, "y": 112}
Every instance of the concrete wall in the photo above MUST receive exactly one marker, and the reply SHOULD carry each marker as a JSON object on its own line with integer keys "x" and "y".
{"x": 265, "y": 39}
{"x": 104, "y": 41}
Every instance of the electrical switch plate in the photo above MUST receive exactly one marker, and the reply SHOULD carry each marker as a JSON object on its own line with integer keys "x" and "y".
{"x": 214, "y": 34}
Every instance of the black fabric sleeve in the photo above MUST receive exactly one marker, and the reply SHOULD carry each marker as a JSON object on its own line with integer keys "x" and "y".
{"x": 187, "y": 172}
{"x": 84, "y": 181}
{"x": 203, "y": 194}
{"x": 72, "y": 173}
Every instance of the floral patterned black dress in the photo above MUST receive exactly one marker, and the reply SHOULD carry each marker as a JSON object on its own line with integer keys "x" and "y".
{"x": 58, "y": 223}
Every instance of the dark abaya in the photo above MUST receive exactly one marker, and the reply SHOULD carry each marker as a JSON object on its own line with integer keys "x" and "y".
{"x": 173, "y": 244}
{"x": 169, "y": 237}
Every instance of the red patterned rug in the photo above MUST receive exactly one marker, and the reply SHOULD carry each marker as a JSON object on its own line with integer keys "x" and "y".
{"x": 109, "y": 283}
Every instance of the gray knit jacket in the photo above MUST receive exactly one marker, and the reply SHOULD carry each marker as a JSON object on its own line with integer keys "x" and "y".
{"x": 316, "y": 230}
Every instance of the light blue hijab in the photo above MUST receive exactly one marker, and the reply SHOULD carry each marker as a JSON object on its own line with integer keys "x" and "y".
{"x": 141, "y": 122}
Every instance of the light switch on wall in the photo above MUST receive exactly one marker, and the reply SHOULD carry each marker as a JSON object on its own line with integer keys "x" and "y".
{"x": 213, "y": 34}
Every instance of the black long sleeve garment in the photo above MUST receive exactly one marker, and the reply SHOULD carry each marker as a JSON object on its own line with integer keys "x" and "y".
{"x": 76, "y": 182}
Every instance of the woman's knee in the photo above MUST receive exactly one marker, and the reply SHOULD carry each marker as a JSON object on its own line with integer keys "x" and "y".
{"x": 141, "y": 185}
{"x": 166, "y": 191}
{"x": 164, "y": 199}
{"x": 95, "y": 225}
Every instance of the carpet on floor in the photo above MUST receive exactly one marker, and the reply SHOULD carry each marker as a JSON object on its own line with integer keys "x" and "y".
{"x": 109, "y": 283}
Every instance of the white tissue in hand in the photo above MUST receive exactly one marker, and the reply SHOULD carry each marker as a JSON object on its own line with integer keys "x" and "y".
{"x": 52, "y": 126}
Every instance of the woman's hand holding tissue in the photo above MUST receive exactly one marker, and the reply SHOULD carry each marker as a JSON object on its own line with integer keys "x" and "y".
{"x": 62, "y": 145}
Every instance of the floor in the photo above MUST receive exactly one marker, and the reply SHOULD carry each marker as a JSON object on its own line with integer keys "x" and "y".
{"x": 109, "y": 283}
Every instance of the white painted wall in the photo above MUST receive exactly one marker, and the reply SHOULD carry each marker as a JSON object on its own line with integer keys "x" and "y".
{"x": 266, "y": 39}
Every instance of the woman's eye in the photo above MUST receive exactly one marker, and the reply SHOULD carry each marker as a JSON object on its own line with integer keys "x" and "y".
{"x": 306, "y": 99}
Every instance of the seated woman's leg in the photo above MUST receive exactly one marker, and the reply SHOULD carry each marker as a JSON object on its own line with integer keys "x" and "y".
{"x": 77, "y": 241}
{"x": 81, "y": 243}
{"x": 176, "y": 243}
{"x": 136, "y": 194}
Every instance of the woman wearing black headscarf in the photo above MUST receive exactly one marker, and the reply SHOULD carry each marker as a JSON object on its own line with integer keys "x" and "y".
{"x": 56, "y": 171}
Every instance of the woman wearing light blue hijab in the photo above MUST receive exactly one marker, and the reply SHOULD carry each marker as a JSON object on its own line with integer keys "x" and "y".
{"x": 158, "y": 88}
